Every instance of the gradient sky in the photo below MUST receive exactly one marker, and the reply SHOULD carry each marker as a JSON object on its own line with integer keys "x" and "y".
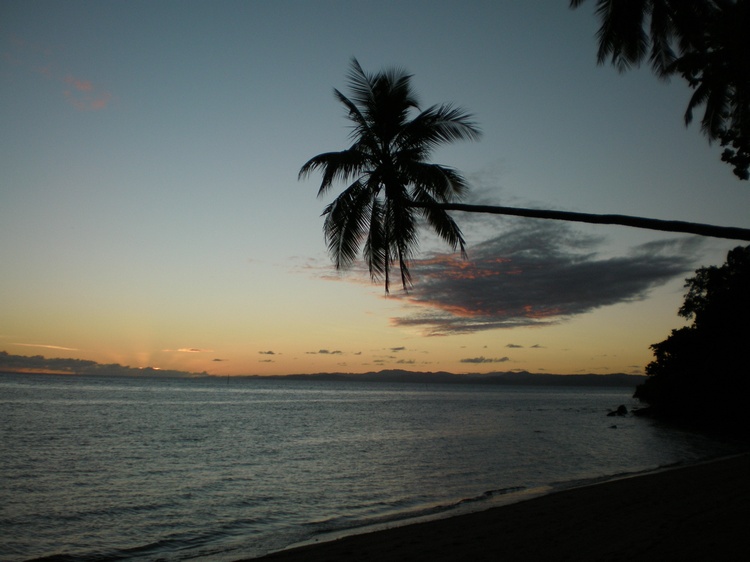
{"x": 150, "y": 212}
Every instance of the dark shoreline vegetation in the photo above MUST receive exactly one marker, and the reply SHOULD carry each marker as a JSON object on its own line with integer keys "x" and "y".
{"x": 39, "y": 365}
{"x": 699, "y": 376}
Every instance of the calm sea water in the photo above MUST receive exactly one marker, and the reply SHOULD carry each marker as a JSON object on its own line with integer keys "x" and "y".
{"x": 216, "y": 469}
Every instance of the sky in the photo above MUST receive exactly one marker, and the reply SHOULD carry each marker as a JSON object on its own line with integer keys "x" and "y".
{"x": 151, "y": 214}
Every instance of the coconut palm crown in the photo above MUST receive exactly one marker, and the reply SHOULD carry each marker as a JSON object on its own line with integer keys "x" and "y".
{"x": 386, "y": 170}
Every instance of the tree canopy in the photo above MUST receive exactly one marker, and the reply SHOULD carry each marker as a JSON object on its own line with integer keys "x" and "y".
{"x": 706, "y": 42}
{"x": 700, "y": 372}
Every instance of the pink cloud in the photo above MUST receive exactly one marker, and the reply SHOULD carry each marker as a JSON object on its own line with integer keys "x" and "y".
{"x": 85, "y": 96}
{"x": 102, "y": 101}
{"x": 88, "y": 100}
{"x": 81, "y": 93}
{"x": 45, "y": 70}
{"x": 80, "y": 85}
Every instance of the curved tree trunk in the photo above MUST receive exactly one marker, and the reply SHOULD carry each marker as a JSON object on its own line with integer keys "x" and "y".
{"x": 730, "y": 232}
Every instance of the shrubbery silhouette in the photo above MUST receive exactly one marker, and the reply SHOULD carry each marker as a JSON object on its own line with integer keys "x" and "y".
{"x": 700, "y": 372}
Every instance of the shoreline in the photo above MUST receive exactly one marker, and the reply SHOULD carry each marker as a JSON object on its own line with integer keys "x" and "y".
{"x": 695, "y": 512}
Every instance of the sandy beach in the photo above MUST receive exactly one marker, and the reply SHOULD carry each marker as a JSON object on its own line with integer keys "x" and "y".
{"x": 699, "y": 512}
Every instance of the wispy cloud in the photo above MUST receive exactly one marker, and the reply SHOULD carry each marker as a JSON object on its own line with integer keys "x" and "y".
{"x": 82, "y": 93}
{"x": 80, "y": 85}
{"x": 535, "y": 274}
{"x": 267, "y": 352}
{"x": 188, "y": 350}
{"x": 46, "y": 346}
{"x": 325, "y": 352}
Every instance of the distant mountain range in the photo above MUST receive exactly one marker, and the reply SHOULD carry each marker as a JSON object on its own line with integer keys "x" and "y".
{"x": 508, "y": 378}
{"x": 41, "y": 365}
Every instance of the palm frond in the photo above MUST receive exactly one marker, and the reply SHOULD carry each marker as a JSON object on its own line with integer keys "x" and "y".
{"x": 360, "y": 83}
{"x": 437, "y": 125}
{"x": 621, "y": 35}
{"x": 402, "y": 237}
{"x": 361, "y": 129}
{"x": 375, "y": 250}
{"x": 662, "y": 31}
{"x": 442, "y": 223}
{"x": 336, "y": 166}
{"x": 346, "y": 223}
{"x": 444, "y": 184}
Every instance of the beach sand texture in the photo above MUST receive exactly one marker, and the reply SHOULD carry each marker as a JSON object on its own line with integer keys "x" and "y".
{"x": 699, "y": 512}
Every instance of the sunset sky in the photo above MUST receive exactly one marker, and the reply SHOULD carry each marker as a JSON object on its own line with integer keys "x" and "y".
{"x": 151, "y": 215}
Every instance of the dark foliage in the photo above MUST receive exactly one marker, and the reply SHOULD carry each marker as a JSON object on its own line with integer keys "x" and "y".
{"x": 706, "y": 42}
{"x": 700, "y": 372}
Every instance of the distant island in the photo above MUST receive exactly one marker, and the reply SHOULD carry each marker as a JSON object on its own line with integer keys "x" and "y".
{"x": 41, "y": 365}
{"x": 38, "y": 364}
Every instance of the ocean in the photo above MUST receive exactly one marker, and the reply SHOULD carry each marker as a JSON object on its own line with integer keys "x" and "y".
{"x": 103, "y": 468}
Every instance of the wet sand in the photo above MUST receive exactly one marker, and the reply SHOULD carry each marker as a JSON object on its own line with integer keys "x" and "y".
{"x": 699, "y": 512}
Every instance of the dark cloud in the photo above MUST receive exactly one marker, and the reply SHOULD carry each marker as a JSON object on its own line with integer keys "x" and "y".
{"x": 324, "y": 352}
{"x": 217, "y": 359}
{"x": 514, "y": 346}
{"x": 267, "y": 353}
{"x": 485, "y": 360}
{"x": 536, "y": 274}
{"x": 397, "y": 349}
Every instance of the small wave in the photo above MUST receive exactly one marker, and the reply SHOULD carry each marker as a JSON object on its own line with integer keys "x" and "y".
{"x": 399, "y": 515}
{"x": 581, "y": 482}
{"x": 170, "y": 548}
{"x": 491, "y": 494}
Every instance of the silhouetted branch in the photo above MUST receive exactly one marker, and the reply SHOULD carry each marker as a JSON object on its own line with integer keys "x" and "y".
{"x": 730, "y": 232}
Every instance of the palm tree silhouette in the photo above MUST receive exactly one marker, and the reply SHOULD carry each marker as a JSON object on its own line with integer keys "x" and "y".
{"x": 386, "y": 165}
{"x": 704, "y": 41}
{"x": 392, "y": 185}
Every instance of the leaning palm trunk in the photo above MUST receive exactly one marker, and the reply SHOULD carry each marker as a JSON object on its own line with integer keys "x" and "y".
{"x": 730, "y": 232}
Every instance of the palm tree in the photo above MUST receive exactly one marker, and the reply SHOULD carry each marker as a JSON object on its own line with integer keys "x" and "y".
{"x": 387, "y": 172}
{"x": 704, "y": 41}
{"x": 629, "y": 27}
{"x": 392, "y": 186}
